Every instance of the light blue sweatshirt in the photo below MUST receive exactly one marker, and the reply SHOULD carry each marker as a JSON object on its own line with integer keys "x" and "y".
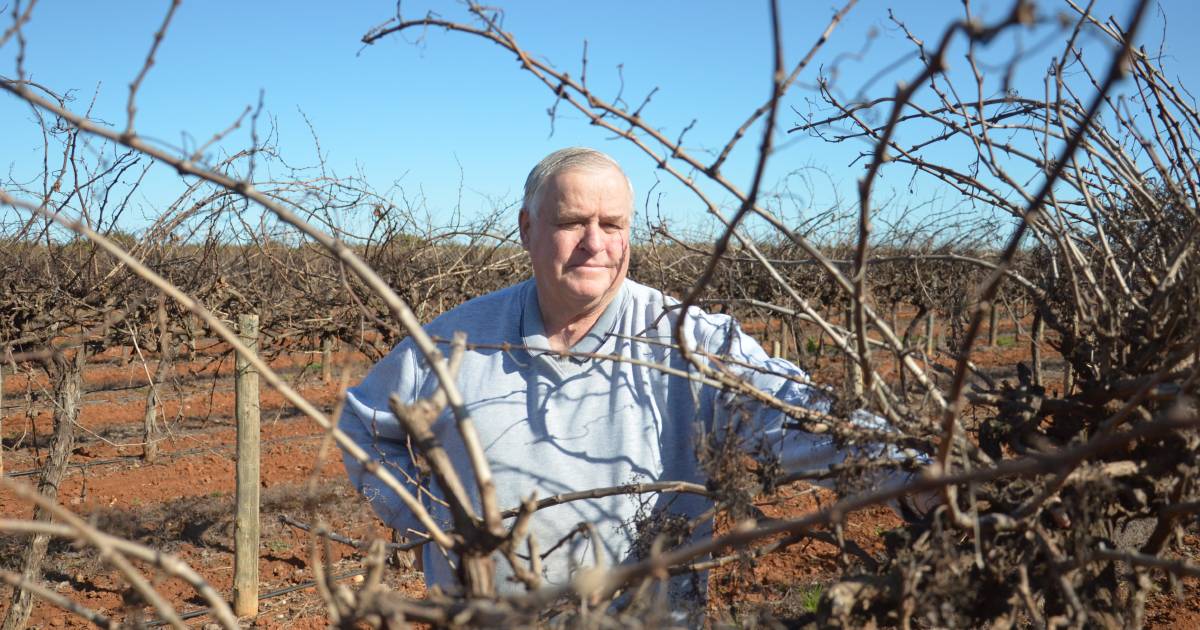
{"x": 559, "y": 424}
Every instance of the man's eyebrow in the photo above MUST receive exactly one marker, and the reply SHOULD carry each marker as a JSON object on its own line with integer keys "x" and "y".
{"x": 570, "y": 214}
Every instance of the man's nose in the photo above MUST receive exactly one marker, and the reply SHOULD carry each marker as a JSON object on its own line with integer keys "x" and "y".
{"x": 593, "y": 238}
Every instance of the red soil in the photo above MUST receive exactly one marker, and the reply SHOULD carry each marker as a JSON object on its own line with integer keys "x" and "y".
{"x": 183, "y": 503}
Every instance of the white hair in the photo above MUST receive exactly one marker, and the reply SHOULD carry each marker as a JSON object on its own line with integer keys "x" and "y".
{"x": 565, "y": 160}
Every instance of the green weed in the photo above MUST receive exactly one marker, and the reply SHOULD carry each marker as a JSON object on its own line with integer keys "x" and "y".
{"x": 810, "y": 597}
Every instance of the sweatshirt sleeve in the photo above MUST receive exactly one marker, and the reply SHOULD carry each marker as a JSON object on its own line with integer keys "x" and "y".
{"x": 368, "y": 421}
{"x": 757, "y": 423}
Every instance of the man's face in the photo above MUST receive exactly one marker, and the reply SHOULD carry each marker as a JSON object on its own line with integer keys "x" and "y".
{"x": 579, "y": 241}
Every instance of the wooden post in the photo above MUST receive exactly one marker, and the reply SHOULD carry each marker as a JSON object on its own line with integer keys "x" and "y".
{"x": 246, "y": 533}
{"x": 327, "y": 359}
{"x": 2, "y": 355}
{"x": 929, "y": 327}
{"x": 1035, "y": 347}
{"x": 993, "y": 324}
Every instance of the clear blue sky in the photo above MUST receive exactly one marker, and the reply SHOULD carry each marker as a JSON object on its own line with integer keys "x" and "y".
{"x": 456, "y": 109}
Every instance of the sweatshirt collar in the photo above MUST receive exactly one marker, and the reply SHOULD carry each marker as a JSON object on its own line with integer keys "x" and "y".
{"x": 533, "y": 330}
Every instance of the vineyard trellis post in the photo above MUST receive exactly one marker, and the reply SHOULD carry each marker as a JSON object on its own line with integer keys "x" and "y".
{"x": 993, "y": 324}
{"x": 326, "y": 358}
{"x": 246, "y": 526}
{"x": 929, "y": 330}
{"x": 2, "y": 362}
{"x": 1035, "y": 346}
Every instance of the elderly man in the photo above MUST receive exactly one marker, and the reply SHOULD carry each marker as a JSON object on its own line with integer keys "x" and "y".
{"x": 554, "y": 418}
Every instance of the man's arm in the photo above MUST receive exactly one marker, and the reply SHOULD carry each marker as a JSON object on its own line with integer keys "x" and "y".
{"x": 737, "y": 353}
{"x": 798, "y": 450}
{"x": 368, "y": 421}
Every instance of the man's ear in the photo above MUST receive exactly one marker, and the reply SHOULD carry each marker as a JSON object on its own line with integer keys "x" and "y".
{"x": 523, "y": 225}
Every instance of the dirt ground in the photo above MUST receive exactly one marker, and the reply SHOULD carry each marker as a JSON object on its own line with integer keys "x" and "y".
{"x": 183, "y": 503}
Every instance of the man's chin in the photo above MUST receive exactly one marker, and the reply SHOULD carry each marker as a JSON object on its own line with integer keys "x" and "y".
{"x": 590, "y": 291}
